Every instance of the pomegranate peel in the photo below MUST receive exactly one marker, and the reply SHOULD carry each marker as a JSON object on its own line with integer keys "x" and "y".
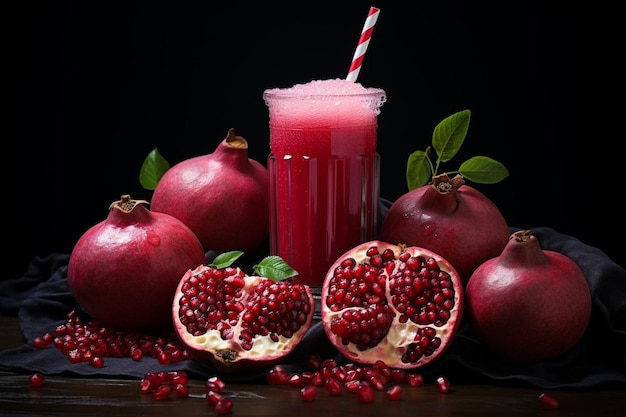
{"x": 528, "y": 304}
{"x": 221, "y": 196}
{"x": 123, "y": 270}
{"x": 236, "y": 321}
{"x": 402, "y": 305}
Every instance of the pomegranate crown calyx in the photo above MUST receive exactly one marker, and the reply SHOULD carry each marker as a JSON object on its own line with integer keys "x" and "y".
{"x": 447, "y": 138}
{"x": 444, "y": 184}
{"x": 126, "y": 204}
{"x": 235, "y": 141}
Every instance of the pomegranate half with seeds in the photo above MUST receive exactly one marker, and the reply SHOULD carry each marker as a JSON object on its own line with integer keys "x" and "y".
{"x": 236, "y": 321}
{"x": 402, "y": 305}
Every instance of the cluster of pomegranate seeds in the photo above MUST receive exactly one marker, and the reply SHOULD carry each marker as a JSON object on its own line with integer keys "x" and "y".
{"x": 214, "y": 300}
{"x": 162, "y": 385}
{"x": 36, "y": 380}
{"x": 165, "y": 385}
{"x": 362, "y": 380}
{"x": 87, "y": 341}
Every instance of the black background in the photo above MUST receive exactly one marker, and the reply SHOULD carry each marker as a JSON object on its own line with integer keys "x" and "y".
{"x": 93, "y": 87}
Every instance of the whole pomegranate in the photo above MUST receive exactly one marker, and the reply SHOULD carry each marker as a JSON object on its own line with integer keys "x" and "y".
{"x": 450, "y": 218}
{"x": 222, "y": 197}
{"x": 528, "y": 304}
{"x": 235, "y": 321}
{"x": 123, "y": 271}
{"x": 402, "y": 305}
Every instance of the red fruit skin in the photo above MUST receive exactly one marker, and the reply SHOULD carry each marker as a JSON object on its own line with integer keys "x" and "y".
{"x": 528, "y": 304}
{"x": 222, "y": 197}
{"x": 123, "y": 271}
{"x": 463, "y": 225}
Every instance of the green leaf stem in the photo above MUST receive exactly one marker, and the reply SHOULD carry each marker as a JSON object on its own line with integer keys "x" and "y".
{"x": 448, "y": 137}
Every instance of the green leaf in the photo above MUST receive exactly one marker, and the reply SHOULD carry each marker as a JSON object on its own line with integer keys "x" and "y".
{"x": 274, "y": 268}
{"x": 226, "y": 259}
{"x": 418, "y": 170}
{"x": 483, "y": 170}
{"x": 449, "y": 135}
{"x": 152, "y": 169}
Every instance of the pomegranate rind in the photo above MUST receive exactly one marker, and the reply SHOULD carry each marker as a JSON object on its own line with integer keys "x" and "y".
{"x": 123, "y": 270}
{"x": 528, "y": 305}
{"x": 463, "y": 225}
{"x": 228, "y": 355}
{"x": 221, "y": 196}
{"x": 400, "y": 334}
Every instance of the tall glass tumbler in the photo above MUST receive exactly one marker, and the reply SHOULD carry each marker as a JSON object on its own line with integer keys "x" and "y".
{"x": 324, "y": 173}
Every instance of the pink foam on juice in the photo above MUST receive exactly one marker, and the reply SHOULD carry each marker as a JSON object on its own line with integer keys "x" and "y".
{"x": 325, "y": 172}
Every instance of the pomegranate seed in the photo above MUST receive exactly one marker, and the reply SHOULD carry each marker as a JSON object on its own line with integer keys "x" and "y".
{"x": 308, "y": 393}
{"x": 394, "y": 393}
{"x": 162, "y": 392}
{"x": 224, "y": 406}
{"x": 352, "y": 386}
{"x": 36, "y": 380}
{"x": 377, "y": 382}
{"x": 97, "y": 362}
{"x": 547, "y": 402}
{"x": 215, "y": 384}
{"x": 40, "y": 343}
{"x": 443, "y": 385}
{"x": 146, "y": 386}
{"x": 177, "y": 377}
{"x": 415, "y": 380}
{"x": 213, "y": 397}
{"x": 365, "y": 393}
{"x": 277, "y": 376}
{"x": 181, "y": 390}
{"x": 399, "y": 375}
{"x": 296, "y": 381}
{"x": 314, "y": 362}
{"x": 333, "y": 387}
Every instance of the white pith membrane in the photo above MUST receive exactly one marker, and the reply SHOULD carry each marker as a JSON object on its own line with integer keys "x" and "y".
{"x": 400, "y": 335}
{"x": 230, "y": 350}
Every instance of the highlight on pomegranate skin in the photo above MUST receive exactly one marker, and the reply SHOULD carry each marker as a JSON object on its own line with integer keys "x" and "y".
{"x": 402, "y": 305}
{"x": 239, "y": 322}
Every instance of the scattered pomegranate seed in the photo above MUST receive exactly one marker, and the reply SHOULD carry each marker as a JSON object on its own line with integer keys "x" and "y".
{"x": 333, "y": 387}
{"x": 181, "y": 390}
{"x": 224, "y": 406}
{"x": 215, "y": 384}
{"x": 365, "y": 393}
{"x": 415, "y": 380}
{"x": 81, "y": 340}
{"x": 394, "y": 393}
{"x": 296, "y": 381}
{"x": 213, "y": 397}
{"x": 40, "y": 343}
{"x": 36, "y": 380}
{"x": 97, "y": 362}
{"x": 308, "y": 393}
{"x": 547, "y": 402}
{"x": 277, "y": 376}
{"x": 162, "y": 392}
{"x": 443, "y": 385}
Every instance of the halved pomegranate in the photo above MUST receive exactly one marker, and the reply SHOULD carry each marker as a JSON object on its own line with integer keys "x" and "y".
{"x": 236, "y": 321}
{"x": 402, "y": 305}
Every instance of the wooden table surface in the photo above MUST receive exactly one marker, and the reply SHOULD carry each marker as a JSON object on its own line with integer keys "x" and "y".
{"x": 93, "y": 397}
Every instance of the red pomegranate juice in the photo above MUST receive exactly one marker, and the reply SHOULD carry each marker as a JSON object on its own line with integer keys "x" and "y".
{"x": 324, "y": 173}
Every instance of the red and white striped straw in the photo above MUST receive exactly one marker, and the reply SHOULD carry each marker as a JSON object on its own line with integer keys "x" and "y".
{"x": 364, "y": 41}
